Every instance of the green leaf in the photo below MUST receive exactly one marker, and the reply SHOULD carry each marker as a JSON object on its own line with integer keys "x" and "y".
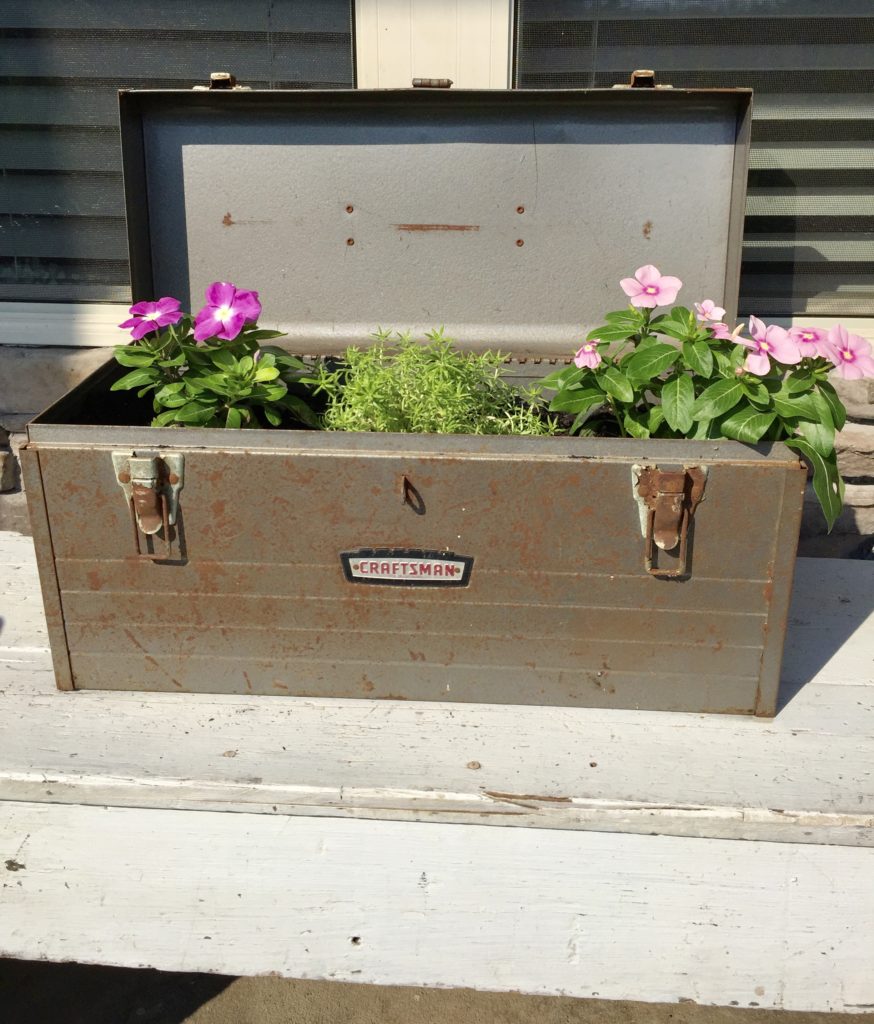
{"x": 136, "y": 379}
{"x": 797, "y": 406}
{"x": 820, "y": 436}
{"x": 577, "y": 400}
{"x": 650, "y": 362}
{"x": 195, "y": 412}
{"x": 615, "y": 383}
{"x": 564, "y": 378}
{"x": 263, "y": 373}
{"x": 234, "y": 419}
{"x": 272, "y": 416}
{"x": 223, "y": 358}
{"x": 836, "y": 406}
{"x": 301, "y": 410}
{"x": 678, "y": 400}
{"x": 798, "y": 381}
{"x": 610, "y": 333}
{"x": 631, "y": 318}
{"x": 698, "y": 357}
{"x": 747, "y": 424}
{"x": 131, "y": 355}
{"x": 262, "y": 335}
{"x": 756, "y": 391}
{"x": 718, "y": 398}
{"x": 165, "y": 418}
{"x": 655, "y": 418}
{"x": 633, "y": 426}
{"x": 827, "y": 483}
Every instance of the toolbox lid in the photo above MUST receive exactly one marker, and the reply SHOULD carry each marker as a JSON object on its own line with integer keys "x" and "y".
{"x": 507, "y": 216}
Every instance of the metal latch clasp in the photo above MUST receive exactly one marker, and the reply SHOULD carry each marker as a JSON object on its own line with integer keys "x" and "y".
{"x": 667, "y": 500}
{"x": 151, "y": 484}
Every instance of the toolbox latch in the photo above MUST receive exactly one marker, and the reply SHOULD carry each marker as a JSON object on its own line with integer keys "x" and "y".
{"x": 667, "y": 500}
{"x": 642, "y": 78}
{"x": 220, "y": 80}
{"x": 151, "y": 485}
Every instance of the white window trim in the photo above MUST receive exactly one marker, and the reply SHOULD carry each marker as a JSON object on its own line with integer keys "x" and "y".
{"x": 62, "y": 324}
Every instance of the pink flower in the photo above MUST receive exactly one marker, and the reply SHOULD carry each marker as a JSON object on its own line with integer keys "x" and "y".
{"x": 811, "y": 341}
{"x": 768, "y": 343}
{"x": 588, "y": 355}
{"x": 708, "y": 310}
{"x": 850, "y": 354}
{"x": 149, "y": 316}
{"x": 226, "y": 312}
{"x": 722, "y": 333}
{"x": 648, "y": 289}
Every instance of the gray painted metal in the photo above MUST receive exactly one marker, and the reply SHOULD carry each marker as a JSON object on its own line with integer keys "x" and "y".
{"x": 507, "y": 216}
{"x": 559, "y": 608}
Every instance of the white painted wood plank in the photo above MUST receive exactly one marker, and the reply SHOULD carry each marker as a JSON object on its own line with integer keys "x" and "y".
{"x": 530, "y": 910}
{"x": 79, "y": 324}
{"x": 807, "y": 776}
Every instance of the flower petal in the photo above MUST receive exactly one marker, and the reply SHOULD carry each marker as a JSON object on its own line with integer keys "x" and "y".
{"x": 142, "y": 328}
{"x": 247, "y": 303}
{"x": 206, "y": 324}
{"x": 757, "y": 363}
{"x": 141, "y": 308}
{"x": 630, "y": 286}
{"x": 167, "y": 305}
{"x": 784, "y": 348}
{"x": 220, "y": 293}
{"x": 644, "y": 301}
{"x": 668, "y": 290}
{"x": 648, "y": 274}
{"x": 232, "y": 326}
{"x": 757, "y": 328}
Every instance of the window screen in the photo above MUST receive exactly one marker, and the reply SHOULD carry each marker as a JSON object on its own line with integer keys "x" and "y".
{"x": 62, "y": 227}
{"x": 809, "y": 236}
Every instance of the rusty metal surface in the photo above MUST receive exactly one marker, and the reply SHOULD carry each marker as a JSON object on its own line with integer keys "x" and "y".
{"x": 559, "y": 607}
{"x": 505, "y": 215}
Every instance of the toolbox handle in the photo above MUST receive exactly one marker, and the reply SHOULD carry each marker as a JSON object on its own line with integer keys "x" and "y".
{"x": 432, "y": 83}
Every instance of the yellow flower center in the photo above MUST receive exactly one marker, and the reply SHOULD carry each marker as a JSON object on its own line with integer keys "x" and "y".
{"x": 848, "y": 354}
{"x": 224, "y": 313}
{"x": 764, "y": 346}
{"x": 151, "y": 316}
{"x": 651, "y": 289}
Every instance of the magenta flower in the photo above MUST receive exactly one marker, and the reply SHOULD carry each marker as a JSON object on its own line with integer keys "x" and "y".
{"x": 811, "y": 341}
{"x": 850, "y": 353}
{"x": 226, "y": 312}
{"x": 588, "y": 355}
{"x": 149, "y": 316}
{"x": 768, "y": 343}
{"x": 648, "y": 289}
{"x": 708, "y": 310}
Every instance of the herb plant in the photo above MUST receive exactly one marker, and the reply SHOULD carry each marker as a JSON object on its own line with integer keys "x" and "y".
{"x": 211, "y": 370}
{"x": 686, "y": 374}
{"x": 431, "y": 388}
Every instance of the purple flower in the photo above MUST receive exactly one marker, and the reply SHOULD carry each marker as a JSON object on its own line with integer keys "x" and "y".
{"x": 149, "y": 316}
{"x": 588, "y": 355}
{"x": 850, "y": 353}
{"x": 768, "y": 343}
{"x": 811, "y": 341}
{"x": 648, "y": 289}
{"x": 708, "y": 310}
{"x": 226, "y": 312}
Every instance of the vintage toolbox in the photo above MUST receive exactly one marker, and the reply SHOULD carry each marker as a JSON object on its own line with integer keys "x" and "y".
{"x": 421, "y": 567}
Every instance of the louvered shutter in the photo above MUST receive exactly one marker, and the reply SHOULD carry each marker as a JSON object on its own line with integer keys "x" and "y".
{"x": 62, "y": 229}
{"x": 809, "y": 237}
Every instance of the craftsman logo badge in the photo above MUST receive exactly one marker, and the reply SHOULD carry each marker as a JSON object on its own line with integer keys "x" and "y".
{"x": 402, "y": 567}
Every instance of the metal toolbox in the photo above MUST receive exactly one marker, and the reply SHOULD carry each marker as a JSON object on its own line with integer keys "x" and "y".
{"x": 422, "y": 567}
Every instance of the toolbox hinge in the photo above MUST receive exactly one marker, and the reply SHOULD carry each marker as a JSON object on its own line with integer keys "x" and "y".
{"x": 151, "y": 484}
{"x": 667, "y": 500}
{"x": 221, "y": 80}
{"x": 642, "y": 78}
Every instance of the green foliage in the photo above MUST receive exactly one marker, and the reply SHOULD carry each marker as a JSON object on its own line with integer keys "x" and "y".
{"x": 217, "y": 383}
{"x": 406, "y": 387}
{"x": 670, "y": 376}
